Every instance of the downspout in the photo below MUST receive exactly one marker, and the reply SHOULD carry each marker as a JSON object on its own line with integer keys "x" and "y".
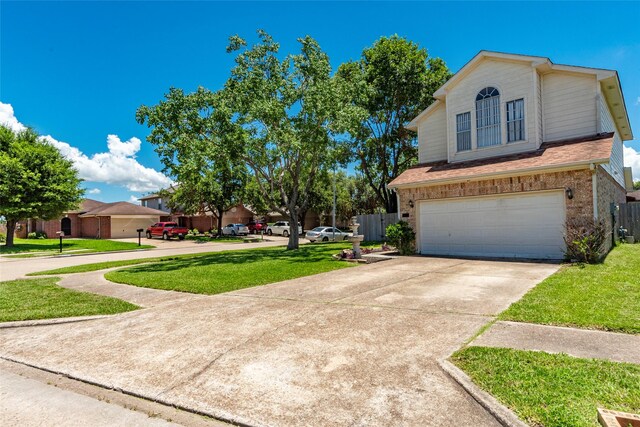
{"x": 398, "y": 203}
{"x": 594, "y": 189}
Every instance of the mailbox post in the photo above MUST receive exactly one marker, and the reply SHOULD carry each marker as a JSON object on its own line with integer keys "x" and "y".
{"x": 61, "y": 235}
{"x": 139, "y": 230}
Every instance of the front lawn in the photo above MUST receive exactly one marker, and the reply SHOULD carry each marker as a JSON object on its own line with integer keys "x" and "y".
{"x": 230, "y": 270}
{"x": 602, "y": 296}
{"x": 42, "y": 299}
{"x": 552, "y": 390}
{"x": 52, "y": 246}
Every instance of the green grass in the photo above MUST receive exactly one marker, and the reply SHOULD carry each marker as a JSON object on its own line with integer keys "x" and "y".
{"x": 230, "y": 270}
{"x": 552, "y": 390}
{"x": 52, "y": 246}
{"x": 42, "y": 299}
{"x": 602, "y": 296}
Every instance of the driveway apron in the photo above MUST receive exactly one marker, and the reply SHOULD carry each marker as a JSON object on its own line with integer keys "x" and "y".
{"x": 349, "y": 347}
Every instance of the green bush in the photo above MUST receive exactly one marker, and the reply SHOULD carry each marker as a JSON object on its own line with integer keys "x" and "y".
{"x": 402, "y": 236}
{"x": 37, "y": 235}
{"x": 3, "y": 238}
{"x": 194, "y": 232}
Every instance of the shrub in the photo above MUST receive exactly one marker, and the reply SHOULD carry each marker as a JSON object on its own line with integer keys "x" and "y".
{"x": 585, "y": 240}
{"x": 402, "y": 236}
{"x": 3, "y": 238}
{"x": 194, "y": 231}
{"x": 37, "y": 235}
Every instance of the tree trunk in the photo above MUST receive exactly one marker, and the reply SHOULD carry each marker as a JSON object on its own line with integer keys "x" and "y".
{"x": 11, "y": 228}
{"x": 294, "y": 237}
{"x": 220, "y": 213}
{"x": 391, "y": 205}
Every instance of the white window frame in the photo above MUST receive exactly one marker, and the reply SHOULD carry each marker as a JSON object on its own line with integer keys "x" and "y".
{"x": 488, "y": 118}
{"x": 515, "y": 123}
{"x": 463, "y": 132}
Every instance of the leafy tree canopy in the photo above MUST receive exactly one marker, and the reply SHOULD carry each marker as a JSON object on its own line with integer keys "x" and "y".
{"x": 186, "y": 133}
{"x": 36, "y": 181}
{"x": 393, "y": 82}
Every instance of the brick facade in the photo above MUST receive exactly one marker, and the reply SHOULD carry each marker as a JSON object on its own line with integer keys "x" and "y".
{"x": 609, "y": 191}
{"x": 578, "y": 180}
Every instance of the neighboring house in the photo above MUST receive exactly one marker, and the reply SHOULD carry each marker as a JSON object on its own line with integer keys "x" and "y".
{"x": 95, "y": 219}
{"x": 514, "y": 148}
{"x": 240, "y": 214}
{"x": 633, "y": 196}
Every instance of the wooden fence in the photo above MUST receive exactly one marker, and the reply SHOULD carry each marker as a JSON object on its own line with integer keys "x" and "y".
{"x": 630, "y": 219}
{"x": 373, "y": 226}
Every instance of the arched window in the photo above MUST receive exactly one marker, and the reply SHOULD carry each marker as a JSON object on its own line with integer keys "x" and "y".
{"x": 488, "y": 117}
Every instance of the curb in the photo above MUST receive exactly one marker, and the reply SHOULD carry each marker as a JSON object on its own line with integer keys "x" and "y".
{"x": 504, "y": 415}
{"x": 46, "y": 322}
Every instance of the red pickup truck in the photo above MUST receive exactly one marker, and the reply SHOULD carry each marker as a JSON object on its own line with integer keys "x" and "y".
{"x": 166, "y": 230}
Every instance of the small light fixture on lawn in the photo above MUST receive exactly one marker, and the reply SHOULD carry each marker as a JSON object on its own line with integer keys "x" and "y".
{"x": 411, "y": 204}
{"x": 569, "y": 193}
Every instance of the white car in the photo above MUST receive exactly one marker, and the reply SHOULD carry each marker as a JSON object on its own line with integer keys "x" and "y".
{"x": 282, "y": 228}
{"x": 235, "y": 230}
{"x": 325, "y": 234}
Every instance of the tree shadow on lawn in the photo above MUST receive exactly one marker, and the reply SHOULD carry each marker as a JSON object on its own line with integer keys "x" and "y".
{"x": 233, "y": 259}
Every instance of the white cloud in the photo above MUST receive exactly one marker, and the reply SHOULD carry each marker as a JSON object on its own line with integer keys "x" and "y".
{"x": 117, "y": 166}
{"x": 632, "y": 160}
{"x": 133, "y": 199}
{"x": 9, "y": 119}
{"x": 94, "y": 191}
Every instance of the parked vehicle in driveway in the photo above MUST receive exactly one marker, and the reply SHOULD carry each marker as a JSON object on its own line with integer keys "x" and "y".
{"x": 324, "y": 233}
{"x": 166, "y": 230}
{"x": 257, "y": 227}
{"x": 235, "y": 230}
{"x": 282, "y": 228}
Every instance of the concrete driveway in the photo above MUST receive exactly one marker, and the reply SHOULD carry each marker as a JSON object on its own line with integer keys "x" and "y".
{"x": 350, "y": 347}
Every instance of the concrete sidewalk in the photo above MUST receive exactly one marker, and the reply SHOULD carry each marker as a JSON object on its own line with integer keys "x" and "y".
{"x": 17, "y": 268}
{"x": 583, "y": 343}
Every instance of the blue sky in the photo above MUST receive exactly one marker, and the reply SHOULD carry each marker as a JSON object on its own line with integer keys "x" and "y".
{"x": 78, "y": 70}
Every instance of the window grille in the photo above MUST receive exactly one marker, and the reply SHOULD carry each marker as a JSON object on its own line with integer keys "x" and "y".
{"x": 463, "y": 131}
{"x": 488, "y": 117}
{"x": 515, "y": 120}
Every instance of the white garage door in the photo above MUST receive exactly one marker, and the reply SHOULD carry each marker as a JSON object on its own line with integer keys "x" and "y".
{"x": 126, "y": 227}
{"x": 519, "y": 225}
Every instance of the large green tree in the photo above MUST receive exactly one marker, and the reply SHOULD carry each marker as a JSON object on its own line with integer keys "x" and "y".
{"x": 393, "y": 82}
{"x": 186, "y": 133}
{"x": 36, "y": 181}
{"x": 290, "y": 114}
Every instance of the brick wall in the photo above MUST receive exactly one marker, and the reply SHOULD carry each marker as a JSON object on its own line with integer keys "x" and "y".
{"x": 609, "y": 191}
{"x": 578, "y": 180}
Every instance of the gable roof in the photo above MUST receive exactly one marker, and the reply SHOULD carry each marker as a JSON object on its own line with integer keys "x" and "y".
{"x": 609, "y": 80}
{"x": 551, "y": 155}
{"x": 87, "y": 205}
{"x": 121, "y": 208}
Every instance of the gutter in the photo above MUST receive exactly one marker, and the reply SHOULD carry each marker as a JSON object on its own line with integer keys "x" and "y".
{"x": 479, "y": 177}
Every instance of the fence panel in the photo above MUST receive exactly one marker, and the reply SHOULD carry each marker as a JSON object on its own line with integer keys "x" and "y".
{"x": 630, "y": 218}
{"x": 373, "y": 226}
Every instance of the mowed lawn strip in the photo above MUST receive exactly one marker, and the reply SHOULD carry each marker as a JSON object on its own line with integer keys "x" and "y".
{"x": 552, "y": 390}
{"x": 602, "y": 296}
{"x": 33, "y": 299}
{"x": 230, "y": 270}
{"x": 69, "y": 245}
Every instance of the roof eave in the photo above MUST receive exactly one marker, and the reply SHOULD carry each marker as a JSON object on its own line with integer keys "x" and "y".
{"x": 489, "y": 175}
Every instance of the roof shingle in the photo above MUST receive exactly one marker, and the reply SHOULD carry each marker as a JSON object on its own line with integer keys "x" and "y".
{"x": 596, "y": 148}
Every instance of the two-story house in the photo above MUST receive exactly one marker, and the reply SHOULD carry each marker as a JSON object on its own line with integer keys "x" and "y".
{"x": 513, "y": 149}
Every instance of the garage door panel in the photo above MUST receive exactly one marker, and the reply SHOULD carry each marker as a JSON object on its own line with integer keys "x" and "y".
{"x": 525, "y": 225}
{"x": 126, "y": 227}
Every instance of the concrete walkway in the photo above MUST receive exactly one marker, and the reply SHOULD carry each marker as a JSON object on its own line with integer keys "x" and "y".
{"x": 350, "y": 347}
{"x": 583, "y": 343}
{"x": 17, "y": 268}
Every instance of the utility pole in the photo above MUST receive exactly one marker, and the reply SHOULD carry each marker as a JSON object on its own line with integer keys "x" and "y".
{"x": 333, "y": 213}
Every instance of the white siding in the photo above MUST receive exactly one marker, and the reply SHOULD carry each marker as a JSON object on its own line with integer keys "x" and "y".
{"x": 569, "y": 105}
{"x": 616, "y": 166}
{"x": 513, "y": 81}
{"x": 432, "y": 136}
